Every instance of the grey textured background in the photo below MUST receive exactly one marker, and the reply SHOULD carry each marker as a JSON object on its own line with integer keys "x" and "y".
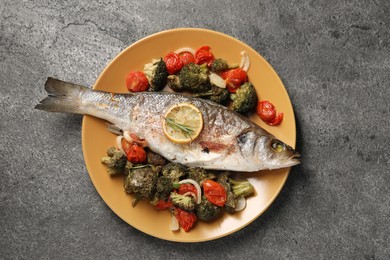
{"x": 334, "y": 59}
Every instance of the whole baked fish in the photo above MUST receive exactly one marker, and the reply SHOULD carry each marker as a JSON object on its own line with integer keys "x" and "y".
{"x": 228, "y": 140}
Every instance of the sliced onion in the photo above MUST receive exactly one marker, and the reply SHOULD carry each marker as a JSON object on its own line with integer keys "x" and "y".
{"x": 119, "y": 143}
{"x": 217, "y": 80}
{"x": 240, "y": 203}
{"x": 185, "y": 49}
{"x": 174, "y": 223}
{"x": 198, "y": 190}
{"x": 245, "y": 61}
{"x": 127, "y": 136}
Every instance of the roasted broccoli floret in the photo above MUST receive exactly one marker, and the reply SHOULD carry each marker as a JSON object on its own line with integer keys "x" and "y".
{"x": 245, "y": 98}
{"x": 241, "y": 188}
{"x": 174, "y": 171}
{"x": 115, "y": 161}
{"x": 164, "y": 187}
{"x": 206, "y": 210}
{"x": 219, "y": 65}
{"x": 129, "y": 165}
{"x": 156, "y": 72}
{"x": 141, "y": 181}
{"x": 155, "y": 159}
{"x": 215, "y": 94}
{"x": 223, "y": 179}
{"x": 174, "y": 83}
{"x": 199, "y": 174}
{"x": 192, "y": 77}
{"x": 186, "y": 203}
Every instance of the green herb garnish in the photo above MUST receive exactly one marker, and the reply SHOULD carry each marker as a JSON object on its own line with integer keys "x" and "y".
{"x": 179, "y": 127}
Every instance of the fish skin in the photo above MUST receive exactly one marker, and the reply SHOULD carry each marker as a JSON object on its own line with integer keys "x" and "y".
{"x": 228, "y": 141}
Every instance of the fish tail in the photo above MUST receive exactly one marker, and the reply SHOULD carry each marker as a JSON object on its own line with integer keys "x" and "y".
{"x": 62, "y": 97}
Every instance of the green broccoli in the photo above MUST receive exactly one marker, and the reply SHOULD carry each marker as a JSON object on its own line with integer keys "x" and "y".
{"x": 115, "y": 161}
{"x": 220, "y": 65}
{"x": 192, "y": 77}
{"x": 157, "y": 74}
{"x": 199, "y": 174}
{"x": 186, "y": 203}
{"x": 230, "y": 204}
{"x": 164, "y": 187}
{"x": 174, "y": 83}
{"x": 206, "y": 210}
{"x": 215, "y": 94}
{"x": 141, "y": 181}
{"x": 241, "y": 188}
{"x": 129, "y": 165}
{"x": 245, "y": 98}
{"x": 174, "y": 171}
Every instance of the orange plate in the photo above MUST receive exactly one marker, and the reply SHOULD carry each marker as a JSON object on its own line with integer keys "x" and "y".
{"x": 96, "y": 139}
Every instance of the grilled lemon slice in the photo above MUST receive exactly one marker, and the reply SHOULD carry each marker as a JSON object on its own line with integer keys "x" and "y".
{"x": 182, "y": 123}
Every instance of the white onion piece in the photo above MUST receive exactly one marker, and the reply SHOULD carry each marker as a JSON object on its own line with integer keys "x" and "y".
{"x": 127, "y": 136}
{"x": 245, "y": 61}
{"x": 119, "y": 143}
{"x": 185, "y": 49}
{"x": 217, "y": 80}
{"x": 240, "y": 203}
{"x": 198, "y": 190}
{"x": 243, "y": 58}
{"x": 174, "y": 223}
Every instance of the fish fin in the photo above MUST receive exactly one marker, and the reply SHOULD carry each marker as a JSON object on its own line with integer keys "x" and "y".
{"x": 114, "y": 129}
{"x": 62, "y": 97}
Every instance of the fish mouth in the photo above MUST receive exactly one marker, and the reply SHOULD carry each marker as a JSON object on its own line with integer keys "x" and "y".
{"x": 287, "y": 155}
{"x": 294, "y": 158}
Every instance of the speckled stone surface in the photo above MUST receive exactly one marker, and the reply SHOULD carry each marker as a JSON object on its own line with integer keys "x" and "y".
{"x": 334, "y": 59}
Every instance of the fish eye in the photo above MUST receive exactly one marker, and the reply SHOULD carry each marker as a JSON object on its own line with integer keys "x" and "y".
{"x": 277, "y": 145}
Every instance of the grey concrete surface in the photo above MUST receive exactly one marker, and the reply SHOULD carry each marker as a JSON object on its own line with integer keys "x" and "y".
{"x": 334, "y": 59}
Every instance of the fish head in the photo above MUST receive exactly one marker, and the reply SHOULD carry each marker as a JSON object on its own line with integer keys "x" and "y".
{"x": 266, "y": 152}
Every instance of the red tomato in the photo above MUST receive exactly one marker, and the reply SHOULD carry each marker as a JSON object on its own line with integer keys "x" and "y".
{"x": 186, "y": 187}
{"x": 186, "y": 219}
{"x": 187, "y": 57}
{"x": 134, "y": 152}
{"x": 173, "y": 63}
{"x": 234, "y": 78}
{"x": 267, "y": 112}
{"x": 136, "y": 81}
{"x": 162, "y": 204}
{"x": 276, "y": 120}
{"x": 214, "y": 192}
{"x": 204, "y": 55}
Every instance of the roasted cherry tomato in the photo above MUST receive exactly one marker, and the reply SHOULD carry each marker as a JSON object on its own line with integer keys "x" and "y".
{"x": 214, "y": 192}
{"x": 186, "y": 57}
{"x": 134, "y": 152}
{"x": 186, "y": 187}
{"x": 173, "y": 63}
{"x": 136, "y": 81}
{"x": 276, "y": 120}
{"x": 162, "y": 204}
{"x": 267, "y": 112}
{"x": 186, "y": 219}
{"x": 234, "y": 78}
{"x": 204, "y": 55}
